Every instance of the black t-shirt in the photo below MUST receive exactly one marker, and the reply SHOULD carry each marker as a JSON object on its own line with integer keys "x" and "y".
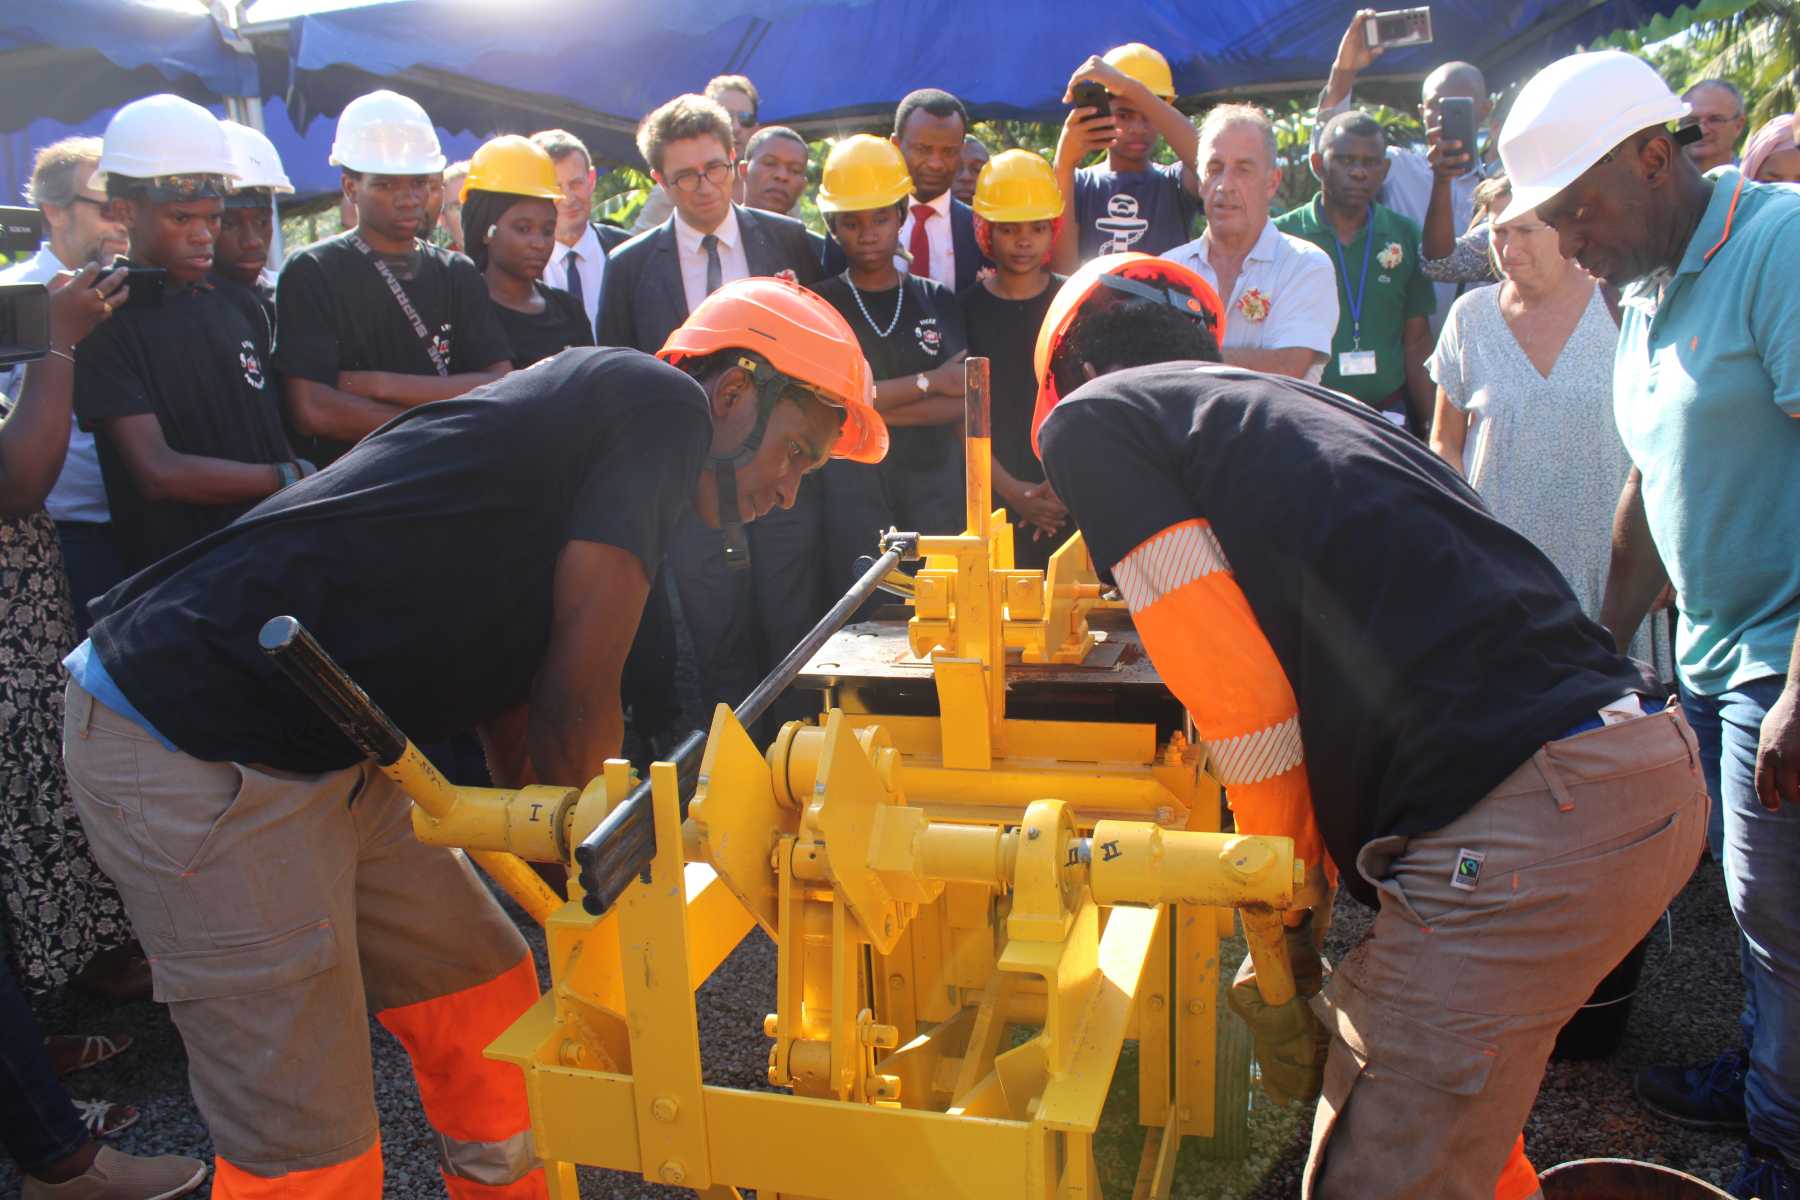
{"x": 1431, "y": 648}
{"x": 422, "y": 561}
{"x": 336, "y": 313}
{"x": 928, "y": 333}
{"x": 1005, "y": 332}
{"x": 198, "y": 363}
{"x": 537, "y": 336}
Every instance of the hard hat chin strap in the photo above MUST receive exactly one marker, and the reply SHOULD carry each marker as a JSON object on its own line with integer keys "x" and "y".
{"x": 769, "y": 384}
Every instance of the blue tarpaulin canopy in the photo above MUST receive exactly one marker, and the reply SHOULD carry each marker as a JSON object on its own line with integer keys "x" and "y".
{"x": 67, "y": 59}
{"x": 830, "y": 60}
{"x": 596, "y": 66}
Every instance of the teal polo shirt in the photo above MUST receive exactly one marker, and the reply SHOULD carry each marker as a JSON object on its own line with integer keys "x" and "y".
{"x": 1706, "y": 390}
{"x": 1395, "y": 290}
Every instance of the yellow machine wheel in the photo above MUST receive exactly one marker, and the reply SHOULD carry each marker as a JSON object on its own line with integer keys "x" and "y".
{"x": 1231, "y": 1093}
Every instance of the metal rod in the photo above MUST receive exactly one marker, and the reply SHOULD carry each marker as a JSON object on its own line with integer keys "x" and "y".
{"x": 621, "y": 846}
{"x": 978, "y": 489}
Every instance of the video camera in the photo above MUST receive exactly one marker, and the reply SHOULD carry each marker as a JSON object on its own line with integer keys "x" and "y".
{"x": 24, "y": 307}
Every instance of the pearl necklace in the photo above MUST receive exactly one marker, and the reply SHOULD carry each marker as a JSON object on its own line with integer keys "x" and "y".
{"x": 899, "y": 303}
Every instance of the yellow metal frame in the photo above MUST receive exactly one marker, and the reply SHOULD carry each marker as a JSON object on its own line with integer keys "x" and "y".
{"x": 973, "y": 913}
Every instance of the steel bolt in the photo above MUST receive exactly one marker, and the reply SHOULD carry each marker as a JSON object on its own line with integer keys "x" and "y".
{"x": 1032, "y": 834}
{"x": 1195, "y": 1008}
{"x": 673, "y": 1172}
{"x": 896, "y": 981}
{"x": 664, "y": 1108}
{"x": 1156, "y": 1004}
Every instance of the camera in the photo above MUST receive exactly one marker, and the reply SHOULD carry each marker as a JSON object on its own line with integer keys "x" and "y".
{"x": 1399, "y": 27}
{"x": 24, "y": 307}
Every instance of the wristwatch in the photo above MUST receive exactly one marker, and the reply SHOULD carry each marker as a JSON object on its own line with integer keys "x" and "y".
{"x": 924, "y": 383}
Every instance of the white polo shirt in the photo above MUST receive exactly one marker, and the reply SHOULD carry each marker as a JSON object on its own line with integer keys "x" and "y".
{"x": 79, "y": 494}
{"x": 1285, "y": 297}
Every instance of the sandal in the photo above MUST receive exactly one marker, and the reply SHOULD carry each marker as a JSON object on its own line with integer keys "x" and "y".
{"x": 102, "y": 1118}
{"x": 70, "y": 1053}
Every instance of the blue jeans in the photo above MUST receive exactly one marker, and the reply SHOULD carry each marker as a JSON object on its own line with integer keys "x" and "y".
{"x": 1762, "y": 879}
{"x": 38, "y": 1125}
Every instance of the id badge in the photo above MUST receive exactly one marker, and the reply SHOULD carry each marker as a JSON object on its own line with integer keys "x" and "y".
{"x": 1356, "y": 362}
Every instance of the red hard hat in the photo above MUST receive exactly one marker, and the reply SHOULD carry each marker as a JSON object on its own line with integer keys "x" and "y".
{"x": 801, "y": 336}
{"x": 1186, "y": 291}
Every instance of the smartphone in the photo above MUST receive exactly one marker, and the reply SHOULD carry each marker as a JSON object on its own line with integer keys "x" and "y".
{"x": 146, "y": 284}
{"x": 24, "y": 322}
{"x": 1400, "y": 27}
{"x": 21, "y": 231}
{"x": 1456, "y": 123}
{"x": 1089, "y": 94}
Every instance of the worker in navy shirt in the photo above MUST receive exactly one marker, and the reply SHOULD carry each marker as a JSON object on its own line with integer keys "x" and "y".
{"x": 477, "y": 562}
{"x": 1415, "y": 698}
{"x": 1131, "y": 202}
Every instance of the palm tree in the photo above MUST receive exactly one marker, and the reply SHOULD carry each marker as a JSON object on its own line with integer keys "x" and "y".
{"x": 1753, "y": 43}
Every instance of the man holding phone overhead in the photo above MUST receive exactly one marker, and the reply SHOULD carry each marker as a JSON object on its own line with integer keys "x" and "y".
{"x": 1122, "y": 103}
{"x": 1435, "y": 190}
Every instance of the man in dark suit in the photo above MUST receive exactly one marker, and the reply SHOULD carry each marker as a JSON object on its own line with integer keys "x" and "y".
{"x": 578, "y": 264}
{"x": 929, "y": 127}
{"x": 741, "y": 621}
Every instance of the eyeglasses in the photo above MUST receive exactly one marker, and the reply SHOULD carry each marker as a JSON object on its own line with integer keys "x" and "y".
{"x": 80, "y": 199}
{"x": 747, "y": 120}
{"x": 1710, "y": 120}
{"x": 715, "y": 172}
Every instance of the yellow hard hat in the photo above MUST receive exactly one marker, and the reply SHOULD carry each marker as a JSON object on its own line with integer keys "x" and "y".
{"x": 1144, "y": 65}
{"x": 513, "y": 165}
{"x": 1017, "y": 186}
{"x": 863, "y": 172}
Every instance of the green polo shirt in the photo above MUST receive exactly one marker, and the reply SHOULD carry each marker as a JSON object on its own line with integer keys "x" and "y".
{"x": 1706, "y": 392}
{"x": 1395, "y": 291}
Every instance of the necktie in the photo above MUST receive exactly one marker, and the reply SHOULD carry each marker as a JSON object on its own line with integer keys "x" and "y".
{"x": 572, "y": 261}
{"x": 920, "y": 245}
{"x": 715, "y": 270}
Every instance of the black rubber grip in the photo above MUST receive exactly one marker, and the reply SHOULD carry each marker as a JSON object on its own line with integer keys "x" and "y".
{"x": 313, "y": 671}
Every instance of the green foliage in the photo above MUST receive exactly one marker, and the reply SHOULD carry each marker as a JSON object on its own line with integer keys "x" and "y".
{"x": 1753, "y": 43}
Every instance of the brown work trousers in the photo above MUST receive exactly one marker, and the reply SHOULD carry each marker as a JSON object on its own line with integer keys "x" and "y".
{"x": 1442, "y": 1020}
{"x": 278, "y": 910}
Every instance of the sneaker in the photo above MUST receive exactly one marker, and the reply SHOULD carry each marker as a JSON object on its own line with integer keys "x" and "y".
{"x": 1707, "y": 1096}
{"x": 116, "y": 1176}
{"x": 1764, "y": 1175}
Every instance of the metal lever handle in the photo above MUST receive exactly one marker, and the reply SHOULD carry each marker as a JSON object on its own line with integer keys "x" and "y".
{"x": 326, "y": 684}
{"x": 621, "y": 846}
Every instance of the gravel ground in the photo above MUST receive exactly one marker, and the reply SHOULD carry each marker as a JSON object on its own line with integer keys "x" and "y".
{"x": 1686, "y": 1010}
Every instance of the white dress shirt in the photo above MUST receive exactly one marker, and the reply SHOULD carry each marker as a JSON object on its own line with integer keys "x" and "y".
{"x": 732, "y": 262}
{"x": 1296, "y": 284}
{"x": 79, "y": 494}
{"x": 943, "y": 242}
{"x": 590, "y": 261}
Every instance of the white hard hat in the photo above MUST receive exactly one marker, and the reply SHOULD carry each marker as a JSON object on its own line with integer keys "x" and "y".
{"x": 1570, "y": 114}
{"x": 385, "y": 133}
{"x": 258, "y": 163}
{"x": 164, "y": 135}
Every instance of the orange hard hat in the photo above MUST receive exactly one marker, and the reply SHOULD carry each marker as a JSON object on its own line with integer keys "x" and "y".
{"x": 803, "y": 338}
{"x": 1140, "y": 274}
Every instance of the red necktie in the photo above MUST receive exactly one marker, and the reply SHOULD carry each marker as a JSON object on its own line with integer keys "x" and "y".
{"x": 920, "y": 246}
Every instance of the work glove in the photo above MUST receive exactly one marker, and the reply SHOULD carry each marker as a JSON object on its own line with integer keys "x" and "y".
{"x": 1290, "y": 1042}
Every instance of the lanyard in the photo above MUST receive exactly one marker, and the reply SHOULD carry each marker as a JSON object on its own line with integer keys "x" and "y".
{"x": 1362, "y": 283}
{"x": 406, "y": 306}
